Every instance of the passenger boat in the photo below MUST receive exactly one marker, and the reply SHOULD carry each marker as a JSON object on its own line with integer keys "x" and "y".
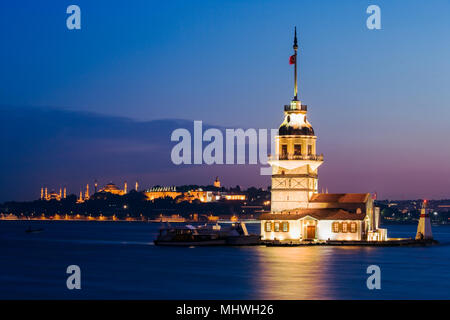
{"x": 189, "y": 235}
{"x": 29, "y": 230}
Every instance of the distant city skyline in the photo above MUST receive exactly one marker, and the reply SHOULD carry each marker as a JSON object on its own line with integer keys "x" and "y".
{"x": 84, "y": 105}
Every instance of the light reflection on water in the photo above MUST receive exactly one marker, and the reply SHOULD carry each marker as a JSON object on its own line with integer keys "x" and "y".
{"x": 309, "y": 272}
{"x": 294, "y": 273}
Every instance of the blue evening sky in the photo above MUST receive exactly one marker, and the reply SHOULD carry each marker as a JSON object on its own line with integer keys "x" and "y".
{"x": 376, "y": 98}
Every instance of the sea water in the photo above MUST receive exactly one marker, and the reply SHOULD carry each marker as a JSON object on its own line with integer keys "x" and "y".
{"x": 118, "y": 260}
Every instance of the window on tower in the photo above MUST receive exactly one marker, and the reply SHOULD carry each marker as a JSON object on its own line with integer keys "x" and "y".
{"x": 309, "y": 149}
{"x": 297, "y": 149}
{"x": 284, "y": 152}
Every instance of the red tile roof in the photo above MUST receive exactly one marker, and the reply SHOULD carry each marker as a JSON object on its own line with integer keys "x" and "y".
{"x": 340, "y": 197}
{"x": 319, "y": 214}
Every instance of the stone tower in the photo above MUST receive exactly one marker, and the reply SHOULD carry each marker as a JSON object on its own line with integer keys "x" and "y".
{"x": 295, "y": 164}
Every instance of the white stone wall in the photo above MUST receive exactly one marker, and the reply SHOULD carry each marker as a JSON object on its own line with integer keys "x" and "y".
{"x": 288, "y": 200}
{"x": 323, "y": 230}
{"x": 291, "y": 189}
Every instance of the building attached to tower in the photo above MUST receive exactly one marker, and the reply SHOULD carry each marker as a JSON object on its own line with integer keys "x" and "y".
{"x": 298, "y": 211}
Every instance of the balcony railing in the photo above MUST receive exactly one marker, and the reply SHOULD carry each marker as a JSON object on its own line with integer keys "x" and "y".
{"x": 313, "y": 157}
{"x": 293, "y": 107}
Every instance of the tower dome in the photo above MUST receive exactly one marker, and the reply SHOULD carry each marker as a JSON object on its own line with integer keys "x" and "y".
{"x": 295, "y": 124}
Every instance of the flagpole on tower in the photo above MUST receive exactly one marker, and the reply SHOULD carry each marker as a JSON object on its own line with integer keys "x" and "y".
{"x": 295, "y": 67}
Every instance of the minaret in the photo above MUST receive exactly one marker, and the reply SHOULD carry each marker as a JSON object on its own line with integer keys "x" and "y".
{"x": 42, "y": 193}
{"x": 424, "y": 226}
{"x": 80, "y": 199}
{"x": 65, "y": 193}
{"x": 217, "y": 182}
{"x": 45, "y": 193}
{"x": 60, "y": 193}
{"x": 125, "y": 187}
{"x": 137, "y": 186}
{"x": 295, "y": 164}
{"x": 86, "y": 196}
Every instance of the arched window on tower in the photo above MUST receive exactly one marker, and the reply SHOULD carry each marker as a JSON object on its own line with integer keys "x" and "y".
{"x": 284, "y": 152}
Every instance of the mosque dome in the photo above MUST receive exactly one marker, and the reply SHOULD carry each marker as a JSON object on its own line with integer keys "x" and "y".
{"x": 111, "y": 187}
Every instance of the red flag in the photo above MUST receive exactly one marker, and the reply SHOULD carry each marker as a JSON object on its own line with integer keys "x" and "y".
{"x": 292, "y": 59}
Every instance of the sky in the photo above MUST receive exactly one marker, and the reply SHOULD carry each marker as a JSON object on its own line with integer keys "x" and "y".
{"x": 377, "y": 99}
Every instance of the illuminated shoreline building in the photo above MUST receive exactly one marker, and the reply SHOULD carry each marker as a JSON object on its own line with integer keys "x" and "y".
{"x": 53, "y": 195}
{"x": 191, "y": 195}
{"x": 172, "y": 192}
{"x": 298, "y": 211}
{"x": 108, "y": 188}
{"x": 112, "y": 188}
{"x": 216, "y": 183}
{"x": 162, "y": 192}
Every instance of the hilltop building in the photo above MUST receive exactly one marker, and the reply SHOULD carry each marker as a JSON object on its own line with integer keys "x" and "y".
{"x": 162, "y": 192}
{"x": 53, "y": 195}
{"x": 217, "y": 182}
{"x": 109, "y": 188}
{"x": 172, "y": 192}
{"x": 194, "y": 194}
{"x": 112, "y": 188}
{"x": 298, "y": 211}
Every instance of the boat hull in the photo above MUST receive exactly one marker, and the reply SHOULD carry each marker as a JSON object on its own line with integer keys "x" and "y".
{"x": 244, "y": 240}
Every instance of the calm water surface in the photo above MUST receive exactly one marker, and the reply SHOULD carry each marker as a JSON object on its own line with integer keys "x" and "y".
{"x": 119, "y": 261}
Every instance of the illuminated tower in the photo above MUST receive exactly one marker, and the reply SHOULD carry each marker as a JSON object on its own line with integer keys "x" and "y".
{"x": 125, "y": 187}
{"x": 86, "y": 196}
{"x": 137, "y": 186}
{"x": 65, "y": 193}
{"x": 42, "y": 193}
{"x": 424, "y": 226}
{"x": 95, "y": 186}
{"x": 60, "y": 193}
{"x": 45, "y": 193}
{"x": 217, "y": 182}
{"x": 295, "y": 164}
